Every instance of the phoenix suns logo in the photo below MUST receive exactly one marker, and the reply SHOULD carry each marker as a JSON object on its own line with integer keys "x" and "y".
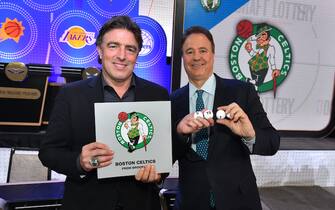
{"x": 11, "y": 29}
{"x": 134, "y": 130}
{"x": 260, "y": 54}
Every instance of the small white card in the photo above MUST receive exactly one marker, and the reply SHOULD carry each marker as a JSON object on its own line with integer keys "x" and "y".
{"x": 139, "y": 133}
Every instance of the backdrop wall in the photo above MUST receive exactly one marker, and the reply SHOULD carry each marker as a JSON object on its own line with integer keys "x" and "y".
{"x": 302, "y": 36}
{"x": 63, "y": 33}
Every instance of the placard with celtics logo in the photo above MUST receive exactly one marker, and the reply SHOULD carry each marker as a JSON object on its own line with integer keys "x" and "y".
{"x": 260, "y": 54}
{"x": 139, "y": 133}
{"x": 134, "y": 130}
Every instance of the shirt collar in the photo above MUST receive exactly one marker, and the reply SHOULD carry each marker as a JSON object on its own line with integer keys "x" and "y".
{"x": 208, "y": 87}
{"x": 132, "y": 82}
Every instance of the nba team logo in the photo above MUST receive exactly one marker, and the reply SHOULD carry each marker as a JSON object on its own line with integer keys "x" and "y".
{"x": 148, "y": 43}
{"x": 134, "y": 130}
{"x": 74, "y": 43}
{"x": 154, "y": 42}
{"x": 210, "y": 5}
{"x": 77, "y": 37}
{"x": 18, "y": 32}
{"x": 11, "y": 29}
{"x": 260, "y": 54}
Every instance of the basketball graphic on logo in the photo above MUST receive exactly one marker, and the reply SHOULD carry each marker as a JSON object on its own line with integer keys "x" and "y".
{"x": 244, "y": 29}
{"x": 13, "y": 29}
{"x": 123, "y": 116}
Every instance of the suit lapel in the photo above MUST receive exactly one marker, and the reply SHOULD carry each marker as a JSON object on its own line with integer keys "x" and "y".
{"x": 222, "y": 97}
{"x": 95, "y": 93}
{"x": 90, "y": 95}
{"x": 140, "y": 93}
{"x": 221, "y": 93}
{"x": 183, "y": 100}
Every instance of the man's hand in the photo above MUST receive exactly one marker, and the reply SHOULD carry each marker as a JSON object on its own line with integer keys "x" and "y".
{"x": 97, "y": 150}
{"x": 189, "y": 124}
{"x": 148, "y": 174}
{"x": 238, "y": 122}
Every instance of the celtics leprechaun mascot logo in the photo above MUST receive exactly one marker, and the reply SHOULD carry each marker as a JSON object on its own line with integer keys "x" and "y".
{"x": 134, "y": 130}
{"x": 260, "y": 54}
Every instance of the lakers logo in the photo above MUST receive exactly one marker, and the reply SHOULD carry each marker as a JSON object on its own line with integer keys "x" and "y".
{"x": 134, "y": 130}
{"x": 77, "y": 38}
{"x": 11, "y": 29}
{"x": 260, "y": 54}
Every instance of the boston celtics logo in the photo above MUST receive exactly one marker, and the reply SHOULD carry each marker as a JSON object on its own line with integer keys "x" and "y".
{"x": 134, "y": 130}
{"x": 210, "y": 5}
{"x": 260, "y": 54}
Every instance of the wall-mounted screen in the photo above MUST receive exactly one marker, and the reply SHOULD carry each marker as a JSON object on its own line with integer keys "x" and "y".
{"x": 63, "y": 33}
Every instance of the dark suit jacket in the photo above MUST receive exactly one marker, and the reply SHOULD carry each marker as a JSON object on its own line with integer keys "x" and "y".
{"x": 227, "y": 171}
{"x": 71, "y": 127}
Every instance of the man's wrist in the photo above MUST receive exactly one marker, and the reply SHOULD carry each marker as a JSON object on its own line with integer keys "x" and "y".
{"x": 82, "y": 172}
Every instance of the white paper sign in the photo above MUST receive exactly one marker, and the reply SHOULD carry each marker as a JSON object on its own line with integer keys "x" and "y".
{"x": 139, "y": 133}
